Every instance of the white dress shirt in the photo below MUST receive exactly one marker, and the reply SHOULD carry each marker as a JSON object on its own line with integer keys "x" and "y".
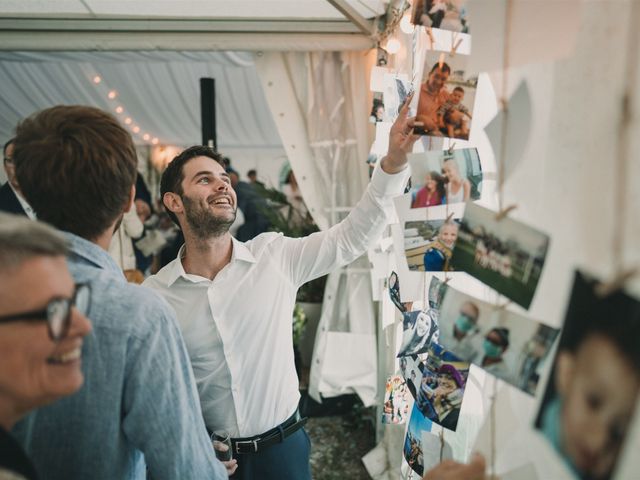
{"x": 237, "y": 327}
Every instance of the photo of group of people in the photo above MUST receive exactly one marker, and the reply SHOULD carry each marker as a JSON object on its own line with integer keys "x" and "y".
{"x": 447, "y": 96}
{"x": 429, "y": 244}
{"x": 505, "y": 344}
{"x": 413, "y": 448}
{"x": 396, "y": 401}
{"x": 419, "y": 330}
{"x": 442, "y": 386}
{"x": 592, "y": 392}
{"x": 444, "y": 14}
{"x": 440, "y": 177}
{"x": 505, "y": 254}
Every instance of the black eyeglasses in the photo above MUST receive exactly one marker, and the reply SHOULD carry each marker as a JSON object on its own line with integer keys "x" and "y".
{"x": 57, "y": 313}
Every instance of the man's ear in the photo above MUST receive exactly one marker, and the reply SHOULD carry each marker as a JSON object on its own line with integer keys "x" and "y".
{"x": 173, "y": 202}
{"x": 564, "y": 372}
{"x": 131, "y": 200}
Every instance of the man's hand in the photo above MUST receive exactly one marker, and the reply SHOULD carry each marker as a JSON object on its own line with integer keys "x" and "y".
{"x": 450, "y": 470}
{"x": 401, "y": 140}
{"x": 231, "y": 466}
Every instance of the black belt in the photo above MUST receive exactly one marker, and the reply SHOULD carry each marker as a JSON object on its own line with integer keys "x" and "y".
{"x": 255, "y": 444}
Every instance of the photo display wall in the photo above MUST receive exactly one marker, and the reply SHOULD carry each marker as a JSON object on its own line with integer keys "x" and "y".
{"x": 449, "y": 227}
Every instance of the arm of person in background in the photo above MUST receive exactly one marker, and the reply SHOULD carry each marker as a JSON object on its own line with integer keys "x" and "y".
{"x": 161, "y": 409}
{"x": 321, "y": 252}
{"x": 451, "y": 470}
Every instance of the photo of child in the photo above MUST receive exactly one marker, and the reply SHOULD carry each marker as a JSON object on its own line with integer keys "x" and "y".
{"x": 593, "y": 389}
{"x": 429, "y": 244}
{"x": 412, "y": 450}
{"x": 442, "y": 387}
{"x": 445, "y": 177}
{"x": 446, "y": 98}
{"x": 505, "y": 254}
{"x": 420, "y": 330}
{"x": 444, "y": 14}
{"x": 396, "y": 401}
{"x": 509, "y": 346}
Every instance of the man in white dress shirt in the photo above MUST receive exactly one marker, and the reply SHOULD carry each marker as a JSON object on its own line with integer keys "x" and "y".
{"x": 234, "y": 301}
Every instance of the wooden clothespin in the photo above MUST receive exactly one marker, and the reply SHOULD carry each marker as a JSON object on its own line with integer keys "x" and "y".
{"x": 449, "y": 217}
{"x": 455, "y": 43}
{"x": 504, "y": 212}
{"x": 504, "y": 103}
{"x": 450, "y": 150}
{"x": 431, "y": 39}
{"x": 441, "y": 61}
{"x": 616, "y": 283}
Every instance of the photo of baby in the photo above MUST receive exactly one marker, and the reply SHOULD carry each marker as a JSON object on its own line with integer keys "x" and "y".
{"x": 446, "y": 97}
{"x": 504, "y": 344}
{"x": 429, "y": 245}
{"x": 442, "y": 387}
{"x": 505, "y": 254}
{"x": 593, "y": 389}
{"x": 444, "y": 14}
{"x": 396, "y": 401}
{"x": 445, "y": 177}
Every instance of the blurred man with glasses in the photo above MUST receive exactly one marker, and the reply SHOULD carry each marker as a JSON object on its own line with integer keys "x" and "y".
{"x": 11, "y": 199}
{"x": 138, "y": 408}
{"x": 42, "y": 325}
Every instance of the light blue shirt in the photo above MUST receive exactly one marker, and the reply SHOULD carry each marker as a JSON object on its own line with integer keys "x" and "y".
{"x": 139, "y": 402}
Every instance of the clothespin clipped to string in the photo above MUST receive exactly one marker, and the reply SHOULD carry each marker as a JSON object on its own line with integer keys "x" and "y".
{"x": 504, "y": 212}
{"x": 455, "y": 43}
{"x": 441, "y": 444}
{"x": 431, "y": 39}
{"x": 441, "y": 61}
{"x": 449, "y": 217}
{"x": 616, "y": 283}
{"x": 450, "y": 150}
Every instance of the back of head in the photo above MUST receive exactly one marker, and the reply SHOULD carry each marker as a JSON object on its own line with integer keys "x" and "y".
{"x": 22, "y": 239}
{"x": 76, "y": 166}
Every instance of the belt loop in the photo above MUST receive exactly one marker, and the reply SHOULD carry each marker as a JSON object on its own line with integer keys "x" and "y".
{"x": 281, "y": 430}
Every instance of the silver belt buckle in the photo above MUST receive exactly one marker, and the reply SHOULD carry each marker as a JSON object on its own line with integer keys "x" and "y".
{"x": 247, "y": 442}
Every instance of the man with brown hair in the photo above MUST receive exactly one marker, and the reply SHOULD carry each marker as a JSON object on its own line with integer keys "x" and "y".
{"x": 139, "y": 405}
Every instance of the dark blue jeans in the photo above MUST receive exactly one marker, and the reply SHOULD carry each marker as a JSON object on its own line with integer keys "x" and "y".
{"x": 288, "y": 460}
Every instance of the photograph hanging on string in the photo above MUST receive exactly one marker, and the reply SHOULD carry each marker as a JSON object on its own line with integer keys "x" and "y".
{"x": 443, "y": 14}
{"x": 429, "y": 244}
{"x": 394, "y": 292}
{"x": 411, "y": 370}
{"x": 442, "y": 387}
{"x": 437, "y": 289}
{"x": 413, "y": 449}
{"x": 589, "y": 402}
{"x": 377, "y": 109}
{"x": 419, "y": 330}
{"x": 445, "y": 177}
{"x": 396, "y": 401}
{"x": 396, "y": 89}
{"x": 505, "y": 254}
{"x": 447, "y": 96}
{"x": 509, "y": 346}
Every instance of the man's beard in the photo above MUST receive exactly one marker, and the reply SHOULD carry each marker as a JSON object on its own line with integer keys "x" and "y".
{"x": 202, "y": 222}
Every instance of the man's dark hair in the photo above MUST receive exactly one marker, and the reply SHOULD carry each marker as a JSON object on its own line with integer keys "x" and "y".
{"x": 251, "y": 173}
{"x": 503, "y": 333}
{"x": 4, "y": 149}
{"x": 76, "y": 166}
{"x": 173, "y": 175}
{"x": 444, "y": 69}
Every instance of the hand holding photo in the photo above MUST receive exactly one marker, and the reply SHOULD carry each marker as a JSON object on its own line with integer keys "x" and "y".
{"x": 441, "y": 177}
{"x": 505, "y": 254}
{"x": 396, "y": 401}
{"x": 444, "y": 14}
{"x": 593, "y": 389}
{"x": 429, "y": 244}
{"x": 447, "y": 96}
{"x": 504, "y": 344}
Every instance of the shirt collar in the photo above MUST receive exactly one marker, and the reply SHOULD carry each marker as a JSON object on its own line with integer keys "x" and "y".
{"x": 23, "y": 203}
{"x": 240, "y": 252}
{"x": 91, "y": 253}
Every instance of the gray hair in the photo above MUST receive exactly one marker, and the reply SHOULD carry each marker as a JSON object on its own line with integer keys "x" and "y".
{"x": 22, "y": 239}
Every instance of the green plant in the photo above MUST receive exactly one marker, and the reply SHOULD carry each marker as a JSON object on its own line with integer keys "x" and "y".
{"x": 292, "y": 222}
{"x": 299, "y": 322}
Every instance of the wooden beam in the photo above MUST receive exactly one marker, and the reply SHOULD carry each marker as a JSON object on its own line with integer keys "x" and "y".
{"x": 365, "y": 26}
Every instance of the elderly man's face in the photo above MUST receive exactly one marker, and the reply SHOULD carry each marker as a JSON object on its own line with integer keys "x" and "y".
{"x": 35, "y": 370}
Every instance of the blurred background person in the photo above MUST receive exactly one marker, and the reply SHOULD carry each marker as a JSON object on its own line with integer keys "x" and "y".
{"x": 42, "y": 325}
{"x": 11, "y": 199}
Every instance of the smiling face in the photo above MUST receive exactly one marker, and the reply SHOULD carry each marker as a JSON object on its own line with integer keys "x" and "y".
{"x": 599, "y": 388}
{"x": 34, "y": 370}
{"x": 208, "y": 203}
{"x": 423, "y": 324}
{"x": 456, "y": 96}
{"x": 448, "y": 234}
{"x": 436, "y": 79}
{"x": 450, "y": 170}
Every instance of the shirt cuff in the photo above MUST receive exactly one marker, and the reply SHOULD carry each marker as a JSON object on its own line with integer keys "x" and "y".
{"x": 384, "y": 184}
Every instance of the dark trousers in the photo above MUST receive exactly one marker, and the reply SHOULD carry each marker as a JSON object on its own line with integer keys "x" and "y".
{"x": 288, "y": 460}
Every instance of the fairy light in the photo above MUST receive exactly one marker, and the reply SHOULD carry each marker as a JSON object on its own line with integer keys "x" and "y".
{"x": 146, "y": 137}
{"x": 154, "y": 141}
{"x": 119, "y": 109}
{"x": 136, "y": 129}
{"x": 97, "y": 79}
{"x": 393, "y": 46}
{"x": 112, "y": 94}
{"x": 128, "y": 120}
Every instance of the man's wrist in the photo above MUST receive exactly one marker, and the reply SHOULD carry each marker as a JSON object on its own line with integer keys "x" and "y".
{"x": 392, "y": 167}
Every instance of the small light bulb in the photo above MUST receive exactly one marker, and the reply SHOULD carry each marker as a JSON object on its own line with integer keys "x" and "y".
{"x": 393, "y": 46}
{"x": 154, "y": 141}
{"x": 136, "y": 129}
{"x": 128, "y": 121}
{"x": 112, "y": 94}
{"x": 405, "y": 24}
{"x": 119, "y": 109}
{"x": 146, "y": 136}
{"x": 97, "y": 79}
